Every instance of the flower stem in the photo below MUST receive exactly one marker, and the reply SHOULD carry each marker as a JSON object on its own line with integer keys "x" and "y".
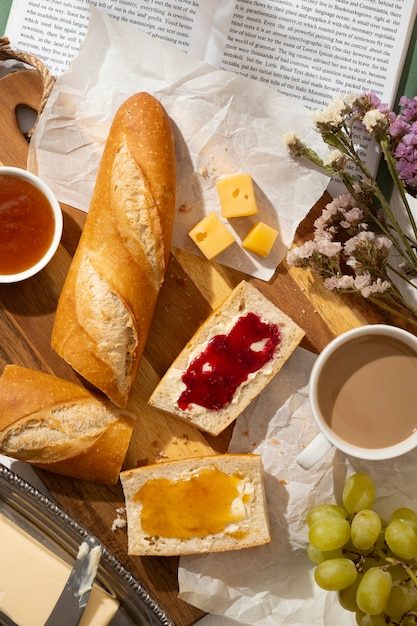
{"x": 405, "y": 567}
{"x": 398, "y": 183}
{"x": 396, "y": 310}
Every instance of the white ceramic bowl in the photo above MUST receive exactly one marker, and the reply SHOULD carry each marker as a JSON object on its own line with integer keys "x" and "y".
{"x": 58, "y": 224}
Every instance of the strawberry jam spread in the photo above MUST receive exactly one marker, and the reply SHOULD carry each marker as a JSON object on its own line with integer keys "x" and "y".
{"x": 212, "y": 378}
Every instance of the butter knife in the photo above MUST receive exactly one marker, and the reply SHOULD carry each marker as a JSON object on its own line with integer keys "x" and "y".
{"x": 71, "y": 603}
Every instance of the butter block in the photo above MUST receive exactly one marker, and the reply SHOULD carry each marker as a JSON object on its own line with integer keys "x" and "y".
{"x": 260, "y": 239}
{"x": 32, "y": 577}
{"x": 211, "y": 236}
{"x": 237, "y": 196}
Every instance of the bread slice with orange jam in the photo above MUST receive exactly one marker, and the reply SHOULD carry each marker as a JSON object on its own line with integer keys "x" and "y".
{"x": 228, "y": 362}
{"x": 194, "y": 506}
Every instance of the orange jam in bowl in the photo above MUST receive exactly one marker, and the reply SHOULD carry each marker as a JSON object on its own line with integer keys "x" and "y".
{"x": 30, "y": 224}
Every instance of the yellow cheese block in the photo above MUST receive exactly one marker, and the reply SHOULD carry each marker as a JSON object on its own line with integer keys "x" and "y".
{"x": 260, "y": 239}
{"x": 211, "y": 236}
{"x": 237, "y": 196}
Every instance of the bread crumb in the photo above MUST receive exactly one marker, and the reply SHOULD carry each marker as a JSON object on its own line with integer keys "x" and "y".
{"x": 119, "y": 522}
{"x": 161, "y": 456}
{"x": 283, "y": 481}
{"x": 204, "y": 171}
{"x": 185, "y": 208}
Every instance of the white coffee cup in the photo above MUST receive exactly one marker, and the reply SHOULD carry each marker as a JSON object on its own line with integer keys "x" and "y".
{"x": 380, "y": 349}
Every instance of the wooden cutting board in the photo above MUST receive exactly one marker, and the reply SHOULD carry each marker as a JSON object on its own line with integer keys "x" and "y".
{"x": 192, "y": 288}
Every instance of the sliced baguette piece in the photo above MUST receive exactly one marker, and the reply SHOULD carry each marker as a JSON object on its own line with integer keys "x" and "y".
{"x": 61, "y": 427}
{"x": 244, "y": 299}
{"x": 197, "y": 505}
{"x": 107, "y": 302}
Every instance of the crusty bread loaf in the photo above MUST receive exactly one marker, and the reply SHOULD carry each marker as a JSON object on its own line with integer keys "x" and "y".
{"x": 244, "y": 299}
{"x": 204, "y": 504}
{"x": 108, "y": 299}
{"x": 61, "y": 427}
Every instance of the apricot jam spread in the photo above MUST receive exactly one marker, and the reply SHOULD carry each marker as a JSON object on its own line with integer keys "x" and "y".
{"x": 214, "y": 375}
{"x": 26, "y": 225}
{"x": 196, "y": 506}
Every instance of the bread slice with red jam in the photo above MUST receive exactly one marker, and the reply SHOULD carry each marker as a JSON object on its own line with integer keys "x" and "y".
{"x": 228, "y": 361}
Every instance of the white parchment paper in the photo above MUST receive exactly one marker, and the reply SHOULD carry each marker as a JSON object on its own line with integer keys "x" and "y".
{"x": 223, "y": 124}
{"x": 273, "y": 584}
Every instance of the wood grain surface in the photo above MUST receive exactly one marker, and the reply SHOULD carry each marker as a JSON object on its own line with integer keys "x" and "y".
{"x": 193, "y": 287}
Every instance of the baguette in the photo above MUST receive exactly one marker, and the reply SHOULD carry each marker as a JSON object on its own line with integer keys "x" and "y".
{"x": 61, "y": 427}
{"x": 206, "y": 407}
{"x": 106, "y": 306}
{"x": 189, "y": 506}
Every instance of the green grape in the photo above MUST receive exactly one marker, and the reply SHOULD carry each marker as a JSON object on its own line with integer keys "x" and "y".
{"x": 380, "y": 542}
{"x": 407, "y": 515}
{"x": 324, "y": 510}
{"x": 335, "y": 574}
{"x": 365, "y": 529}
{"x": 371, "y": 620}
{"x": 347, "y": 596}
{"x": 373, "y": 561}
{"x": 398, "y": 574}
{"x": 318, "y": 556}
{"x": 401, "y": 539}
{"x": 329, "y": 533}
{"x": 349, "y": 545}
{"x": 358, "y": 493}
{"x": 374, "y": 590}
{"x": 401, "y": 600}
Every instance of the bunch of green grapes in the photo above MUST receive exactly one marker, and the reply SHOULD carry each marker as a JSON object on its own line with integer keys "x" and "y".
{"x": 371, "y": 563}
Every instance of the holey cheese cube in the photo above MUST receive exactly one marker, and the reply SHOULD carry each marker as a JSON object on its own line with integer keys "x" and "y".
{"x": 237, "y": 196}
{"x": 211, "y": 236}
{"x": 260, "y": 239}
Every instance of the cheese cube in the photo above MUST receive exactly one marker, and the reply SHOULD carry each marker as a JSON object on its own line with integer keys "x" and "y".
{"x": 260, "y": 239}
{"x": 211, "y": 236}
{"x": 237, "y": 196}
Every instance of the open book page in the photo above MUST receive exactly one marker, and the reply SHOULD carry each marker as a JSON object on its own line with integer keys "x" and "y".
{"x": 308, "y": 49}
{"x": 53, "y": 31}
{"x": 314, "y": 49}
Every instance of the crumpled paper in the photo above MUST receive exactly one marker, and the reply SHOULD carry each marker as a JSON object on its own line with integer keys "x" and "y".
{"x": 273, "y": 584}
{"x": 223, "y": 123}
